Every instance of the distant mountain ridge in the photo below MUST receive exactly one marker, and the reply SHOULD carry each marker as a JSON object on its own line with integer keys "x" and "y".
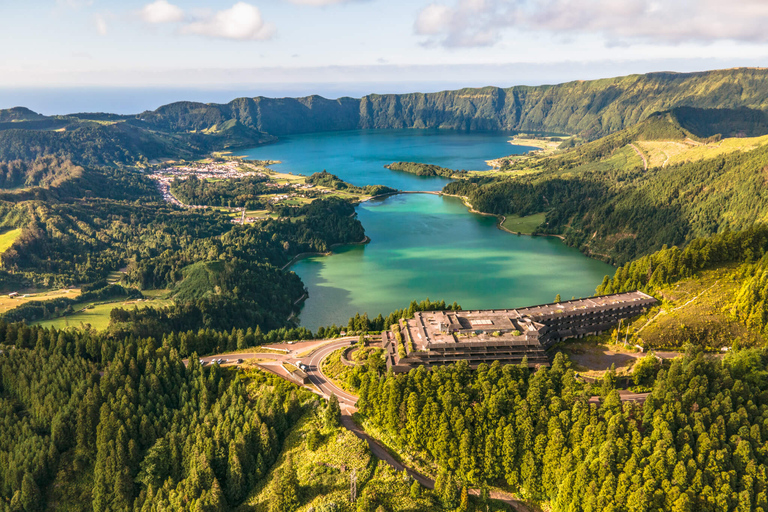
{"x": 591, "y": 109}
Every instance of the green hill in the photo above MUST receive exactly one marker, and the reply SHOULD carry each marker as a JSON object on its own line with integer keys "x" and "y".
{"x": 115, "y": 142}
{"x": 589, "y": 108}
{"x": 16, "y": 114}
{"x": 604, "y": 200}
{"x": 712, "y": 292}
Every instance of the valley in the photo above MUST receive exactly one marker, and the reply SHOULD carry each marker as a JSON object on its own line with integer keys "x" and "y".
{"x": 299, "y": 238}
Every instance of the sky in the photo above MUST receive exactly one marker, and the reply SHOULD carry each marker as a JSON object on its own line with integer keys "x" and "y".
{"x": 221, "y": 48}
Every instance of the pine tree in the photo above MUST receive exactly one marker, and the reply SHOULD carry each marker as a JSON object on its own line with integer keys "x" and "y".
{"x": 415, "y": 490}
{"x": 236, "y": 485}
{"x": 333, "y": 413}
{"x": 313, "y": 439}
{"x": 464, "y": 501}
{"x": 31, "y": 499}
{"x": 286, "y": 489}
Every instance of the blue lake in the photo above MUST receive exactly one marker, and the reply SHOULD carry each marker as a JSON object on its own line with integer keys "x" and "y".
{"x": 359, "y": 157}
{"x": 423, "y": 245}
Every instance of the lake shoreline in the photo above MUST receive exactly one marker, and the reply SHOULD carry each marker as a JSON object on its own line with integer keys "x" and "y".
{"x": 303, "y": 255}
{"x": 472, "y": 209}
{"x": 426, "y": 246}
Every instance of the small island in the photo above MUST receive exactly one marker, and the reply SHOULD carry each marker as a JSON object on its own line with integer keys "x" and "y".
{"x": 425, "y": 169}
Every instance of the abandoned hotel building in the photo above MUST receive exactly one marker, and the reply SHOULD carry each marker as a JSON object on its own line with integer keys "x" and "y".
{"x": 507, "y": 335}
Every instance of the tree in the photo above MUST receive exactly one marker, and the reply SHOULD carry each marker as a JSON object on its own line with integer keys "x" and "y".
{"x": 464, "y": 501}
{"x": 286, "y": 489}
{"x": 446, "y": 489}
{"x": 415, "y": 490}
{"x": 557, "y": 298}
{"x": 645, "y": 370}
{"x": 31, "y": 500}
{"x": 313, "y": 439}
{"x": 333, "y": 412}
{"x": 236, "y": 482}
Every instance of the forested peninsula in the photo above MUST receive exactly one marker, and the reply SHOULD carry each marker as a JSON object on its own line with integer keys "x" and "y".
{"x": 424, "y": 169}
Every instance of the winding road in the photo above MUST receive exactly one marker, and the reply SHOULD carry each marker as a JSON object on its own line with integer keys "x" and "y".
{"x": 312, "y": 354}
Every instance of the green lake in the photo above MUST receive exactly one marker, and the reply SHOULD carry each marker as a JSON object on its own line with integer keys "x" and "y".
{"x": 424, "y": 245}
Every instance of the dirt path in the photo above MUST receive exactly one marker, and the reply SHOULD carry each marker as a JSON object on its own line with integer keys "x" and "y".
{"x": 641, "y": 155}
{"x": 662, "y": 312}
{"x": 665, "y": 161}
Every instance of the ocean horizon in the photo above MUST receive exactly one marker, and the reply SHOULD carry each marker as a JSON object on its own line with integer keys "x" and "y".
{"x": 134, "y": 100}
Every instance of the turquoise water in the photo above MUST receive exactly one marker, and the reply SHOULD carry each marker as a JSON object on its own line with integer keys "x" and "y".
{"x": 430, "y": 246}
{"x": 359, "y": 157}
{"x": 423, "y": 245}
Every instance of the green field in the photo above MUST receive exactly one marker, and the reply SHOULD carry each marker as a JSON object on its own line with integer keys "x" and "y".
{"x": 115, "y": 277}
{"x": 670, "y": 152}
{"x": 97, "y": 315}
{"x": 155, "y": 294}
{"x": 696, "y": 310}
{"x": 7, "y": 303}
{"x": 7, "y": 239}
{"x": 525, "y": 225}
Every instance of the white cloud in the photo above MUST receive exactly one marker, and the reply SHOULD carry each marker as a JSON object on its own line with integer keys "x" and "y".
{"x": 241, "y": 22}
{"x": 479, "y": 22}
{"x": 468, "y": 23}
{"x": 161, "y": 12}
{"x": 101, "y": 24}
{"x": 433, "y": 19}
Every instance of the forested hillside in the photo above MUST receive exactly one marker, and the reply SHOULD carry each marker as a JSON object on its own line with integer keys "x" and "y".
{"x": 224, "y": 276}
{"x": 148, "y": 432}
{"x": 602, "y": 199}
{"x": 697, "y": 443}
{"x": 113, "y": 418}
{"x": 116, "y": 143}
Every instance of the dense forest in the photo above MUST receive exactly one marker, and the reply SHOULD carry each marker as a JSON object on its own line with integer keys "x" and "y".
{"x": 620, "y": 214}
{"x": 115, "y": 419}
{"x": 147, "y": 434}
{"x": 669, "y": 265}
{"x": 697, "y": 443}
{"x": 747, "y": 251}
{"x": 223, "y": 276}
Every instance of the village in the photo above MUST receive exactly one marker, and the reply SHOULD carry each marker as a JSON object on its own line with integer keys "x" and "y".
{"x": 220, "y": 171}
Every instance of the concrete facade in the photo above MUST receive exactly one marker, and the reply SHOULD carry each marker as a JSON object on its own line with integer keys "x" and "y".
{"x": 507, "y": 335}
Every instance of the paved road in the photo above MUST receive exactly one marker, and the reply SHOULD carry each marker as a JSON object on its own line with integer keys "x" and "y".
{"x": 347, "y": 402}
{"x": 286, "y": 351}
{"x": 321, "y": 350}
{"x": 323, "y": 383}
